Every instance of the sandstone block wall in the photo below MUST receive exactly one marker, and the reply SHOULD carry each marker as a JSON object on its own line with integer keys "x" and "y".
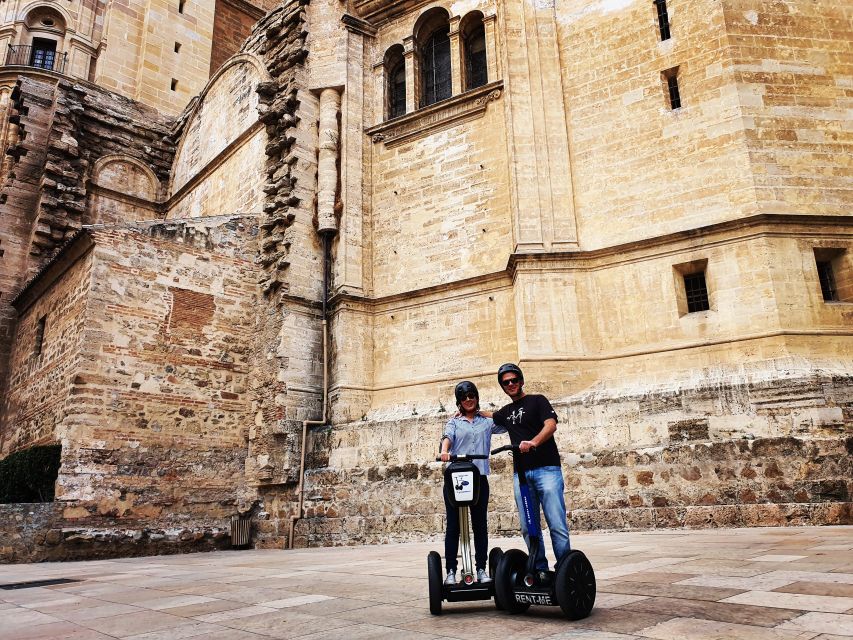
{"x": 218, "y": 167}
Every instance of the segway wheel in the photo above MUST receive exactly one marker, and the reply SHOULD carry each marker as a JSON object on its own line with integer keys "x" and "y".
{"x": 495, "y": 556}
{"x": 508, "y": 577}
{"x": 575, "y": 586}
{"x": 434, "y": 573}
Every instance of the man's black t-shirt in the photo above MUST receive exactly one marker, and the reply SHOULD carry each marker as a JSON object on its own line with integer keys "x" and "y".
{"x": 524, "y": 419}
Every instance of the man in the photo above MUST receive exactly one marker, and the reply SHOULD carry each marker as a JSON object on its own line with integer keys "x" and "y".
{"x": 532, "y": 422}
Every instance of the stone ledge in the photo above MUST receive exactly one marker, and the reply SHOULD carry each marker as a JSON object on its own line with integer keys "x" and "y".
{"x": 456, "y": 110}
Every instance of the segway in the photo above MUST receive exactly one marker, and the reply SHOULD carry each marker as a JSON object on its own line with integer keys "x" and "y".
{"x": 518, "y": 584}
{"x": 462, "y": 485}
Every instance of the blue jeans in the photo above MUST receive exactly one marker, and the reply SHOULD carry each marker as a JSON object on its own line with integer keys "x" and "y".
{"x": 546, "y": 489}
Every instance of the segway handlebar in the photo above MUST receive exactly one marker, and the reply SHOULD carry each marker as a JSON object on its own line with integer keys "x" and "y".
{"x": 464, "y": 456}
{"x": 509, "y": 447}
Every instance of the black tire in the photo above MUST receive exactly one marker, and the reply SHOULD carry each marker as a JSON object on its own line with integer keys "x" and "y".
{"x": 575, "y": 585}
{"x": 495, "y": 556}
{"x": 435, "y": 582}
{"x": 508, "y": 576}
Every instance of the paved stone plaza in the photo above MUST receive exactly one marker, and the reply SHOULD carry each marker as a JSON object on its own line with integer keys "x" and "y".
{"x": 779, "y": 584}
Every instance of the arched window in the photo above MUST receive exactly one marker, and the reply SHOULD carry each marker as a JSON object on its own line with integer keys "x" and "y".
{"x": 474, "y": 44}
{"x": 42, "y": 48}
{"x": 395, "y": 81}
{"x": 433, "y": 39}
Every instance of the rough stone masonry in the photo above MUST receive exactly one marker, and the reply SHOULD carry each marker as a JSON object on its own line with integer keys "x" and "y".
{"x": 163, "y": 278}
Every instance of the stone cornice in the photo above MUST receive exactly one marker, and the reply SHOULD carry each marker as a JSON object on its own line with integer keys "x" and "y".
{"x": 66, "y": 256}
{"x": 442, "y": 292}
{"x": 377, "y": 11}
{"x": 456, "y": 110}
{"x": 358, "y": 25}
{"x": 697, "y": 239}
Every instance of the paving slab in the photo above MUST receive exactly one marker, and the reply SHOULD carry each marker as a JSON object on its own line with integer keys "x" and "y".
{"x": 773, "y": 584}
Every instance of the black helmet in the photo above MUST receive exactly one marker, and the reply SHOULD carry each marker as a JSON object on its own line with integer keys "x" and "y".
{"x": 463, "y": 389}
{"x": 509, "y": 367}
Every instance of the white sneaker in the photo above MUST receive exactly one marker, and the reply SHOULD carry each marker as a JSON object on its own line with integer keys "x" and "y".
{"x": 482, "y": 576}
{"x": 451, "y": 578}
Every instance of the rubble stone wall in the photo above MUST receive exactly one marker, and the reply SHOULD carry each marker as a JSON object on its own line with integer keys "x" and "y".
{"x": 29, "y": 112}
{"x": 45, "y": 360}
{"x": 88, "y": 124}
{"x": 146, "y": 378}
{"x": 374, "y": 481}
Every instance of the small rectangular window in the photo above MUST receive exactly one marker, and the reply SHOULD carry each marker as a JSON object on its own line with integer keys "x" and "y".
{"x": 663, "y": 19}
{"x": 670, "y": 76}
{"x": 177, "y": 47}
{"x": 834, "y": 273}
{"x": 39, "y": 337}
{"x": 181, "y": 4}
{"x": 696, "y": 291}
{"x": 174, "y": 85}
{"x": 827, "y": 281}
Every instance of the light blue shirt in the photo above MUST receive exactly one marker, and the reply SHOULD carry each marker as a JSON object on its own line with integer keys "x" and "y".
{"x": 472, "y": 438}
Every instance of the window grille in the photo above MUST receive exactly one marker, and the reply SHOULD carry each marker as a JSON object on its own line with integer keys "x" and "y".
{"x": 435, "y": 62}
{"x": 697, "y": 292}
{"x": 663, "y": 20}
{"x": 827, "y": 281}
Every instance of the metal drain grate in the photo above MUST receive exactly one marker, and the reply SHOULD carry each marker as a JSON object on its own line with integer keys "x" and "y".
{"x": 36, "y": 583}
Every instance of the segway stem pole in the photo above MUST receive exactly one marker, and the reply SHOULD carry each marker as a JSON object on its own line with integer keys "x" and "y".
{"x": 534, "y": 531}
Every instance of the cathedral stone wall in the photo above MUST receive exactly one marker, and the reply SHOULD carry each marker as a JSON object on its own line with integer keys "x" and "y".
{"x": 143, "y": 379}
{"x": 547, "y": 217}
{"x": 218, "y": 165}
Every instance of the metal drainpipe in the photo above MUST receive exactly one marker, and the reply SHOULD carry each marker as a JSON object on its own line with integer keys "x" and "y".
{"x": 315, "y": 423}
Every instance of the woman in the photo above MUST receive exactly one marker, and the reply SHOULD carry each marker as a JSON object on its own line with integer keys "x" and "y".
{"x": 468, "y": 433}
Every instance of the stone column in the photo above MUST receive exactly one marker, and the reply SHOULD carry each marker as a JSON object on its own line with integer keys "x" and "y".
{"x": 412, "y": 85}
{"x": 327, "y": 162}
{"x": 491, "y": 48}
{"x": 455, "y": 57}
{"x": 381, "y": 93}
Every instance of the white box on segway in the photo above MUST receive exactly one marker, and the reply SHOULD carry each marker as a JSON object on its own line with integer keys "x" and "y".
{"x": 463, "y": 486}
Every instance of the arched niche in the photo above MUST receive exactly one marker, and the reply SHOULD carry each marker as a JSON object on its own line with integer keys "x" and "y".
{"x": 41, "y": 41}
{"x": 126, "y": 175}
{"x": 113, "y": 179}
{"x": 225, "y": 109}
{"x": 47, "y": 18}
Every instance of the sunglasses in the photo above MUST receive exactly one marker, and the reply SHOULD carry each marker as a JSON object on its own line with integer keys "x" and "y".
{"x": 470, "y": 396}
{"x": 510, "y": 381}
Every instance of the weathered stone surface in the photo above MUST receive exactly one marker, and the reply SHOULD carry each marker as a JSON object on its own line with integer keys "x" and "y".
{"x": 547, "y": 217}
